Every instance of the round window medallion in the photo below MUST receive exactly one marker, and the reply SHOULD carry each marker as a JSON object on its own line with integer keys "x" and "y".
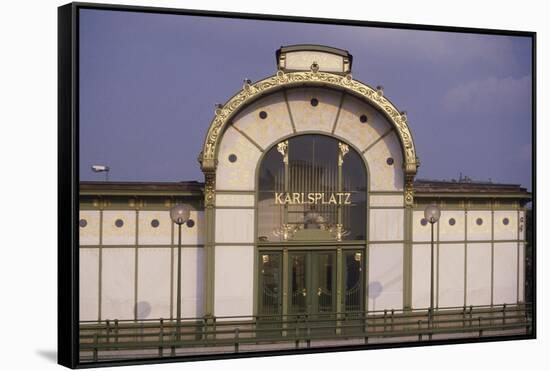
{"x": 155, "y": 223}
{"x": 232, "y": 158}
{"x": 363, "y": 118}
{"x": 83, "y": 223}
{"x": 119, "y": 223}
{"x": 263, "y": 115}
{"x": 314, "y": 102}
{"x": 505, "y": 221}
{"x": 190, "y": 223}
{"x": 424, "y": 221}
{"x": 479, "y": 221}
{"x": 452, "y": 221}
{"x": 389, "y": 161}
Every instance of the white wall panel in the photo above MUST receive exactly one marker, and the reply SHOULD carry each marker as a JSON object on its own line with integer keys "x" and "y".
{"x": 349, "y": 125}
{"x": 89, "y": 235}
{"x": 117, "y": 292}
{"x": 385, "y": 276}
{"x": 264, "y": 132}
{"x": 239, "y": 200}
{"x": 384, "y": 177}
{"x": 451, "y": 275}
{"x": 478, "y": 281}
{"x": 192, "y": 235}
{"x": 234, "y": 280}
{"x": 88, "y": 283}
{"x": 238, "y": 175}
{"x": 235, "y": 225}
{"x": 506, "y": 231}
{"x": 421, "y": 263}
{"x": 386, "y": 224}
{"x": 386, "y": 200}
{"x": 192, "y": 282}
{"x": 308, "y": 117}
{"x": 505, "y": 273}
{"x": 149, "y": 235}
{"x": 153, "y": 297}
{"x": 479, "y": 232}
{"x": 448, "y": 232}
{"x": 125, "y": 235}
{"x": 421, "y": 232}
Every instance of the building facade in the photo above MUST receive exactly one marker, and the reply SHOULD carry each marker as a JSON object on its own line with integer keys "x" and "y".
{"x": 309, "y": 207}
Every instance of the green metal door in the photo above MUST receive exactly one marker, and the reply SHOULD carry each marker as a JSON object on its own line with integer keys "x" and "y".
{"x": 312, "y": 288}
{"x": 270, "y": 294}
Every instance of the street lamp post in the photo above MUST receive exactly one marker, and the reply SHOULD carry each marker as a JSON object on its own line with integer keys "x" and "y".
{"x": 431, "y": 214}
{"x": 179, "y": 215}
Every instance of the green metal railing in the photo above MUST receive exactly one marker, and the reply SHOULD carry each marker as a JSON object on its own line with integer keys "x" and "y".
{"x": 298, "y": 329}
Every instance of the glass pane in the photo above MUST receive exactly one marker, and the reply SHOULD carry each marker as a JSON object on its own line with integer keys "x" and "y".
{"x": 353, "y": 281}
{"x": 270, "y": 283}
{"x": 298, "y": 284}
{"x": 309, "y": 197}
{"x": 325, "y": 282}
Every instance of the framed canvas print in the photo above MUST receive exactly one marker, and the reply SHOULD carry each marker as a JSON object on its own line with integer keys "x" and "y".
{"x": 238, "y": 184}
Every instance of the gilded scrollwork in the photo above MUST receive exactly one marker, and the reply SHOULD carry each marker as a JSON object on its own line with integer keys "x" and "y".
{"x": 344, "y": 149}
{"x": 209, "y": 189}
{"x": 285, "y": 80}
{"x": 282, "y": 148}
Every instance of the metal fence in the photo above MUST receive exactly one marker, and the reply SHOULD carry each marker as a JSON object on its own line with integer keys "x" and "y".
{"x": 299, "y": 330}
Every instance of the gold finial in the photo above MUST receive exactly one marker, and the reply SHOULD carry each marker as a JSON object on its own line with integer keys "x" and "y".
{"x": 314, "y": 67}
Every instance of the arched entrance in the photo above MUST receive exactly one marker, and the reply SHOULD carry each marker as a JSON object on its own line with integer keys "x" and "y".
{"x": 311, "y": 227}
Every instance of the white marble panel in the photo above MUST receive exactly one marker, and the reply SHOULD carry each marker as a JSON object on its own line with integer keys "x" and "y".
{"x": 234, "y": 225}
{"x": 385, "y": 177}
{"x": 505, "y": 284}
{"x": 124, "y": 235}
{"x": 313, "y": 118}
{"x": 506, "y": 231}
{"x": 385, "y": 277}
{"x": 238, "y": 175}
{"x": 478, "y": 232}
{"x": 88, "y": 283}
{"x": 448, "y": 231}
{"x": 386, "y": 224}
{"x": 265, "y": 131}
{"x": 386, "y": 200}
{"x": 478, "y": 276}
{"x": 350, "y": 127}
{"x": 150, "y": 235}
{"x": 153, "y": 294}
{"x": 89, "y": 235}
{"x": 234, "y": 280}
{"x": 451, "y": 275}
{"x": 118, "y": 283}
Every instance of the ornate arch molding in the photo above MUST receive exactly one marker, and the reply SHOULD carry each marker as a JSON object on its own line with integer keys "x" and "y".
{"x": 251, "y": 92}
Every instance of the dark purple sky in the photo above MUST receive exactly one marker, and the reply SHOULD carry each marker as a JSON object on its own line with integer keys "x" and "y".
{"x": 149, "y": 82}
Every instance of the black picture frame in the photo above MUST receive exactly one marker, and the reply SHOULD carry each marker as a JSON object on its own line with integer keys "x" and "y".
{"x": 68, "y": 180}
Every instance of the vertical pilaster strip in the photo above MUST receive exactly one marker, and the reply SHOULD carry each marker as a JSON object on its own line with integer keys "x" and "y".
{"x": 407, "y": 258}
{"x": 171, "y": 269}
{"x": 517, "y": 255}
{"x": 492, "y": 250}
{"x": 465, "y": 256}
{"x": 437, "y": 267}
{"x": 339, "y": 285}
{"x": 285, "y": 283}
{"x": 209, "y": 246}
{"x": 100, "y": 263}
{"x": 136, "y": 257}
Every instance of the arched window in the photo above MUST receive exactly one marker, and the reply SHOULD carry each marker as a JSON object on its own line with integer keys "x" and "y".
{"x": 312, "y": 187}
